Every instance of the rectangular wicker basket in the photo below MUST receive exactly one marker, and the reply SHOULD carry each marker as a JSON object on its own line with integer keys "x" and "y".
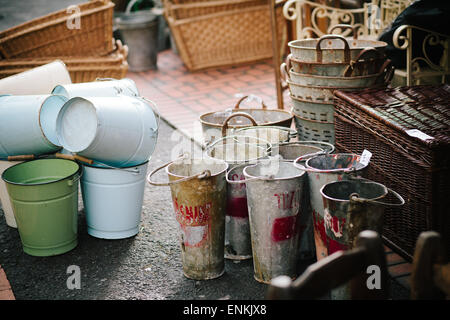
{"x": 414, "y": 163}
{"x": 81, "y": 69}
{"x": 221, "y": 33}
{"x": 51, "y": 36}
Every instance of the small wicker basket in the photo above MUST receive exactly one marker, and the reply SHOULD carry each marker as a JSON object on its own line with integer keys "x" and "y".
{"x": 52, "y": 36}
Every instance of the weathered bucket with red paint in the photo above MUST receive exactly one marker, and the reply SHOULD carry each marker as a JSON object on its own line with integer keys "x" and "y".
{"x": 351, "y": 207}
{"x": 274, "y": 192}
{"x": 199, "y": 195}
{"x": 238, "y": 151}
{"x": 321, "y": 170}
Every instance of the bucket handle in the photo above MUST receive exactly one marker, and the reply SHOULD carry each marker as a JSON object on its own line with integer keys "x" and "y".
{"x": 348, "y": 71}
{"x": 263, "y": 105}
{"x": 355, "y": 197}
{"x": 329, "y": 37}
{"x": 205, "y": 174}
{"x": 155, "y": 107}
{"x": 19, "y": 157}
{"x": 284, "y": 72}
{"x": 236, "y": 114}
{"x": 386, "y": 76}
{"x": 262, "y": 141}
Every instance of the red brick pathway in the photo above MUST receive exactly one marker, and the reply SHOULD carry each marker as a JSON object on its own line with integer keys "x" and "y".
{"x": 5, "y": 288}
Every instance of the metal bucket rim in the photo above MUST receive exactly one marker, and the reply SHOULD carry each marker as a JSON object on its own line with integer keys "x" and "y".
{"x": 100, "y": 166}
{"x": 218, "y": 161}
{"x": 264, "y": 178}
{"x": 78, "y": 171}
{"x": 234, "y": 126}
{"x": 354, "y": 181}
{"x": 289, "y": 82}
{"x": 290, "y": 130}
{"x": 51, "y": 96}
{"x": 351, "y": 43}
{"x": 307, "y": 163}
{"x": 61, "y": 114}
{"x": 307, "y": 75}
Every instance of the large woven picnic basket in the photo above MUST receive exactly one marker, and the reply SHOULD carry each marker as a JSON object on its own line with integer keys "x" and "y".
{"x": 221, "y": 33}
{"x": 80, "y": 30}
{"x": 408, "y": 131}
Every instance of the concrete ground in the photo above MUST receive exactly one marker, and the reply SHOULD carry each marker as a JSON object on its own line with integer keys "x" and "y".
{"x": 147, "y": 266}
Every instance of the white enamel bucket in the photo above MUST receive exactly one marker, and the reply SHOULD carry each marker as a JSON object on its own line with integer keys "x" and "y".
{"x": 99, "y": 88}
{"x": 27, "y": 124}
{"x": 113, "y": 200}
{"x": 118, "y": 131}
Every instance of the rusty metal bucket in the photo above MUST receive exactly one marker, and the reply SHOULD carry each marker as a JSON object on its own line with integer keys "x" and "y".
{"x": 321, "y": 170}
{"x": 274, "y": 191}
{"x": 304, "y": 150}
{"x": 213, "y": 122}
{"x": 351, "y": 207}
{"x": 199, "y": 195}
{"x": 238, "y": 151}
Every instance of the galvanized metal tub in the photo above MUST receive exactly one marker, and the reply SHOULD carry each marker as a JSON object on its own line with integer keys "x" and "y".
{"x": 98, "y": 88}
{"x": 199, "y": 192}
{"x": 118, "y": 131}
{"x": 113, "y": 200}
{"x": 314, "y": 130}
{"x": 274, "y": 191}
{"x": 213, "y": 122}
{"x": 315, "y": 111}
{"x": 238, "y": 152}
{"x": 369, "y": 61}
{"x": 351, "y": 207}
{"x": 4, "y": 196}
{"x": 331, "y": 48}
{"x": 321, "y": 170}
{"x": 27, "y": 124}
{"x": 44, "y": 196}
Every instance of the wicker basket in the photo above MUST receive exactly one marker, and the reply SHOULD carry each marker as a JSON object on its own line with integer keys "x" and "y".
{"x": 81, "y": 69}
{"x": 223, "y": 38}
{"x": 378, "y": 120}
{"x": 200, "y": 8}
{"x": 50, "y": 36}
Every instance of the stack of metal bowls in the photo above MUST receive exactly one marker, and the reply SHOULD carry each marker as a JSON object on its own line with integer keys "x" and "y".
{"x": 316, "y": 68}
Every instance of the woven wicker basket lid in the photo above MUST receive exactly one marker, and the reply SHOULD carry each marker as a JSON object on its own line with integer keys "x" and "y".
{"x": 421, "y": 112}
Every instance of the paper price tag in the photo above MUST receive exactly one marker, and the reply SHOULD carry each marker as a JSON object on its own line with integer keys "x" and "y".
{"x": 365, "y": 157}
{"x": 418, "y": 134}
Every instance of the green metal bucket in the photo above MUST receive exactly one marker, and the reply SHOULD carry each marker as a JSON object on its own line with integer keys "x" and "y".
{"x": 44, "y": 195}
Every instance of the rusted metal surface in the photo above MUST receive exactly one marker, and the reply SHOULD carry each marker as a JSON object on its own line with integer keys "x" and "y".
{"x": 238, "y": 151}
{"x": 274, "y": 191}
{"x": 351, "y": 207}
{"x": 199, "y": 202}
{"x": 324, "y": 169}
{"x": 331, "y": 49}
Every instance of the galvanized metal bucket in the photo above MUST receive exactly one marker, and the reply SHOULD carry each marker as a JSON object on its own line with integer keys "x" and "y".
{"x": 314, "y": 130}
{"x": 351, "y": 207}
{"x": 199, "y": 193}
{"x": 98, "y": 88}
{"x": 321, "y": 170}
{"x": 213, "y": 122}
{"x": 274, "y": 191}
{"x": 27, "y": 124}
{"x": 238, "y": 151}
{"x": 304, "y": 150}
{"x": 44, "y": 196}
{"x": 315, "y": 111}
{"x": 118, "y": 131}
{"x": 113, "y": 200}
{"x": 4, "y": 196}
